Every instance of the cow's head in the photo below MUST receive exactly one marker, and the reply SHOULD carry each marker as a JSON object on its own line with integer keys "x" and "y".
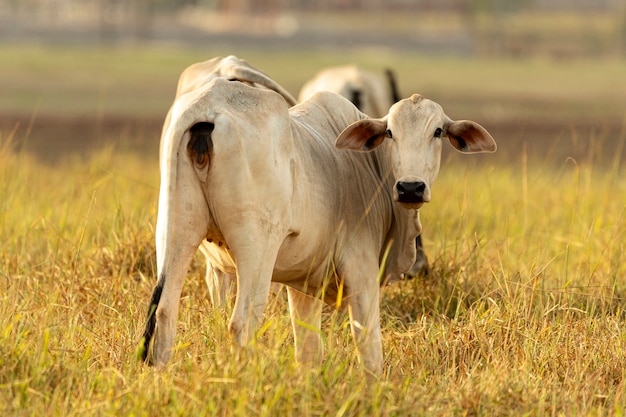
{"x": 415, "y": 128}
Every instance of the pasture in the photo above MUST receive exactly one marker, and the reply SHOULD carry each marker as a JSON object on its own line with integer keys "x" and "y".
{"x": 523, "y": 313}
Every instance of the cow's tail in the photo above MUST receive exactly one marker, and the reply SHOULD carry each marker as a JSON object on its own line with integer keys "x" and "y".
{"x": 393, "y": 85}
{"x": 171, "y": 140}
{"x": 257, "y": 77}
{"x": 148, "y": 332}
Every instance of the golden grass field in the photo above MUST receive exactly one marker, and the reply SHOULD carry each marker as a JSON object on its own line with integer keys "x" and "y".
{"x": 523, "y": 313}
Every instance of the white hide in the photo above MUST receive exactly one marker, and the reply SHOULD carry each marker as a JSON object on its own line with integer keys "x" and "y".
{"x": 280, "y": 203}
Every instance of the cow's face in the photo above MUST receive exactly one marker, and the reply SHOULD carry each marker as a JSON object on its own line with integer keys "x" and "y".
{"x": 414, "y": 130}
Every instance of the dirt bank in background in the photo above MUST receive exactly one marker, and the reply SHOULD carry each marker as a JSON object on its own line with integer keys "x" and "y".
{"x": 51, "y": 139}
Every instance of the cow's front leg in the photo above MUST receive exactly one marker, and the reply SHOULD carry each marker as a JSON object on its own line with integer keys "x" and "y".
{"x": 421, "y": 267}
{"x": 365, "y": 325}
{"x": 221, "y": 285}
{"x": 362, "y": 296}
{"x": 306, "y": 320}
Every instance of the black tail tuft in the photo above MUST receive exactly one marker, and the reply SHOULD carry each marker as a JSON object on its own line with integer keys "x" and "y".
{"x": 148, "y": 333}
{"x": 393, "y": 85}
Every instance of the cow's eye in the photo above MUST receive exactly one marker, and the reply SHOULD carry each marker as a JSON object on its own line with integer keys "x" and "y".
{"x": 438, "y": 132}
{"x": 388, "y": 133}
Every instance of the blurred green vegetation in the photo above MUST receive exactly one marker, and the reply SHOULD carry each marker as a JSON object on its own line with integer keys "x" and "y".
{"x": 141, "y": 81}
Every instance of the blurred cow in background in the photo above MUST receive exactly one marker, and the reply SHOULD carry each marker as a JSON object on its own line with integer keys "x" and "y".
{"x": 369, "y": 92}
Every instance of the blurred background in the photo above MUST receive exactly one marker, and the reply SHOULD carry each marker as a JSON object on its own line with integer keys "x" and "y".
{"x": 559, "y": 28}
{"x": 541, "y": 75}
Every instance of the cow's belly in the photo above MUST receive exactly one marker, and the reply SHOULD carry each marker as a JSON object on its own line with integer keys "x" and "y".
{"x": 306, "y": 264}
{"x": 303, "y": 260}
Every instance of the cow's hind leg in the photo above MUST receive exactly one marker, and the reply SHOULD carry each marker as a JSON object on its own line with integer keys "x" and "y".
{"x": 252, "y": 292}
{"x": 163, "y": 308}
{"x": 181, "y": 225}
{"x": 255, "y": 267}
{"x": 306, "y": 320}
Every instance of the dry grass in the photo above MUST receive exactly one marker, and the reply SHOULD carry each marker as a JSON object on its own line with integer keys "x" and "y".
{"x": 522, "y": 315}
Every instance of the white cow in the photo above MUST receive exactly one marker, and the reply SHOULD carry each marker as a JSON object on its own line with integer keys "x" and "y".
{"x": 373, "y": 95}
{"x": 195, "y": 77}
{"x": 266, "y": 185}
{"x": 369, "y": 92}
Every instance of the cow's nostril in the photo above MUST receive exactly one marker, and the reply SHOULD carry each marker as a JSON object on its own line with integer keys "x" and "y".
{"x": 411, "y": 192}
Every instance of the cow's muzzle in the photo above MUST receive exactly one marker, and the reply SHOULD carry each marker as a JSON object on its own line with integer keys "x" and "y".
{"x": 413, "y": 194}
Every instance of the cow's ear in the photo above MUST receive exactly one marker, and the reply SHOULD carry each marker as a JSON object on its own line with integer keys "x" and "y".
{"x": 363, "y": 135}
{"x": 469, "y": 137}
